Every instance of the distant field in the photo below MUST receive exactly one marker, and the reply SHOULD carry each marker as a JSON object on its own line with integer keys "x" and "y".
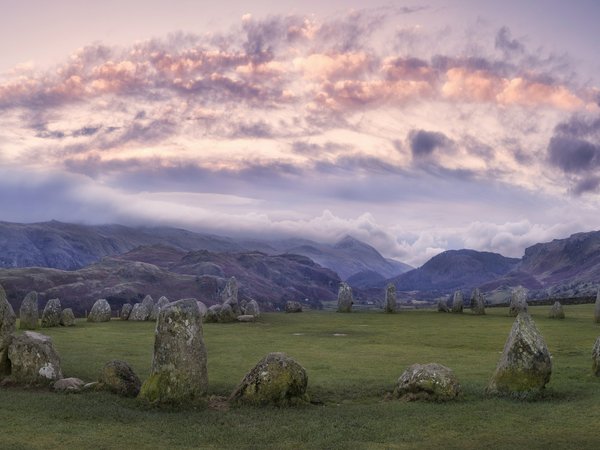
{"x": 352, "y": 361}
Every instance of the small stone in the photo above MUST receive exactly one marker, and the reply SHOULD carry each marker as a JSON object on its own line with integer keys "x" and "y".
{"x": 442, "y": 305}
{"x": 293, "y": 307}
{"x": 227, "y": 314}
{"x": 156, "y": 308}
{"x": 252, "y": 308}
{"x": 229, "y": 296}
{"x": 100, "y": 311}
{"x": 8, "y": 325}
{"x": 126, "y": 311}
{"x": 246, "y": 318}
{"x": 51, "y": 314}
{"x": 477, "y": 303}
{"x": 139, "y": 312}
{"x": 596, "y": 357}
{"x": 518, "y": 302}
{"x": 73, "y": 385}
{"x": 34, "y": 360}
{"x": 212, "y": 314}
{"x": 390, "y": 298}
{"x": 119, "y": 378}
{"x": 345, "y": 298}
{"x": 556, "y": 312}
{"x": 276, "y": 380}
{"x": 457, "y": 302}
{"x": 427, "y": 382}
{"x": 29, "y": 312}
{"x": 67, "y": 318}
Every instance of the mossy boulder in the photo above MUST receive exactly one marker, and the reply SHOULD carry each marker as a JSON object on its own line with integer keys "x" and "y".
{"x": 390, "y": 299}
{"x": 432, "y": 382}
{"x": 596, "y": 357}
{"x": 51, "y": 314}
{"x": 8, "y": 325}
{"x": 100, "y": 311}
{"x": 477, "y": 302}
{"x": 29, "y": 312}
{"x": 276, "y": 380}
{"x": 457, "y": 302}
{"x": 293, "y": 307}
{"x": 119, "y": 378}
{"x": 67, "y": 318}
{"x": 139, "y": 313}
{"x": 525, "y": 366}
{"x": 125, "y": 311}
{"x": 557, "y": 311}
{"x": 518, "y": 302}
{"x": 33, "y": 359}
{"x": 345, "y": 298}
{"x": 179, "y": 372}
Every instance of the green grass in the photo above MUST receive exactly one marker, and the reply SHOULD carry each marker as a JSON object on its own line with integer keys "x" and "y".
{"x": 348, "y": 374}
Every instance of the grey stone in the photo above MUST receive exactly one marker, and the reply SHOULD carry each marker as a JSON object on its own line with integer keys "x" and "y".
{"x": 8, "y": 325}
{"x": 427, "y": 382}
{"x": 518, "y": 302}
{"x": 345, "y": 299}
{"x": 212, "y": 314}
{"x": 390, "y": 298}
{"x": 477, "y": 302}
{"x": 442, "y": 305}
{"x": 556, "y": 312}
{"x": 148, "y": 303}
{"x": 29, "y": 312}
{"x": 457, "y": 302}
{"x": 252, "y": 308}
{"x": 596, "y": 357}
{"x": 100, "y": 311}
{"x": 73, "y": 385}
{"x": 139, "y": 312}
{"x": 525, "y": 365}
{"x": 126, "y": 311}
{"x": 51, "y": 314}
{"x": 229, "y": 296}
{"x": 67, "y": 318}
{"x": 276, "y": 380}
{"x": 597, "y": 308}
{"x": 227, "y": 314}
{"x": 156, "y": 308}
{"x": 246, "y": 318}
{"x": 33, "y": 359}
{"x": 179, "y": 373}
{"x": 119, "y": 378}
{"x": 293, "y": 307}
{"x": 202, "y": 307}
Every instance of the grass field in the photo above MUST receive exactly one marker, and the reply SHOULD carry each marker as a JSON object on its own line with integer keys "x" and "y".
{"x": 352, "y": 360}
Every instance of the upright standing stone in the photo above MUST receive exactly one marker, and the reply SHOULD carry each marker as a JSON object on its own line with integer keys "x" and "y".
{"x": 34, "y": 359}
{"x": 8, "y": 325}
{"x": 148, "y": 303}
{"x": 390, "y": 298}
{"x": 29, "y": 312}
{"x": 345, "y": 299}
{"x": 252, "y": 308}
{"x": 179, "y": 372}
{"x": 556, "y": 312}
{"x": 525, "y": 365}
{"x": 518, "y": 302}
{"x": 67, "y": 318}
{"x": 597, "y": 308}
{"x": 229, "y": 296}
{"x": 457, "y": 302}
{"x": 100, "y": 311}
{"x": 203, "y": 308}
{"x": 126, "y": 311}
{"x": 51, "y": 314}
{"x": 442, "y": 305}
{"x": 596, "y": 357}
{"x": 156, "y": 308}
{"x": 139, "y": 312}
{"x": 477, "y": 302}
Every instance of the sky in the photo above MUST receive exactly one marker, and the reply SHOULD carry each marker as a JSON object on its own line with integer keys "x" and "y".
{"x": 414, "y": 126}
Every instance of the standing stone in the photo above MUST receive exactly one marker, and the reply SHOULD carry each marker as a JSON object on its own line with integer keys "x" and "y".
{"x": 597, "y": 308}
{"x": 557, "y": 311}
{"x": 179, "y": 373}
{"x": 345, "y": 299}
{"x": 252, "y": 308}
{"x": 119, "y": 378}
{"x": 390, "y": 298}
{"x": 202, "y": 307}
{"x": 139, "y": 312}
{"x": 8, "y": 325}
{"x": 29, "y": 312}
{"x": 596, "y": 357}
{"x": 67, "y": 318}
{"x": 276, "y": 380}
{"x": 229, "y": 296}
{"x": 477, "y": 302}
{"x": 518, "y": 302}
{"x": 227, "y": 314}
{"x": 427, "y": 382}
{"x": 51, "y": 314}
{"x": 156, "y": 308}
{"x": 442, "y": 305}
{"x": 100, "y": 311}
{"x": 126, "y": 311}
{"x": 457, "y": 302}
{"x": 293, "y": 307}
{"x": 525, "y": 365}
{"x": 212, "y": 314}
{"x": 34, "y": 360}
{"x": 148, "y": 303}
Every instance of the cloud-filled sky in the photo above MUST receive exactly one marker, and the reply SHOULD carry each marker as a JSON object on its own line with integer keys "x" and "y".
{"x": 417, "y": 127}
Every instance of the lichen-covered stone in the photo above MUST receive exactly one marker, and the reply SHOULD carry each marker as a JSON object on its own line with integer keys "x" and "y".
{"x": 118, "y": 377}
{"x": 518, "y": 302}
{"x": 432, "y": 381}
{"x": 70, "y": 385}
{"x": 525, "y": 365}
{"x": 179, "y": 373}
{"x": 8, "y": 325}
{"x": 156, "y": 308}
{"x": 556, "y": 312}
{"x": 100, "y": 311}
{"x": 477, "y": 302}
{"x": 252, "y": 308}
{"x": 51, "y": 314}
{"x": 597, "y": 308}
{"x": 596, "y": 357}
{"x": 276, "y": 380}
{"x": 67, "y": 318}
{"x": 29, "y": 312}
{"x": 148, "y": 303}
{"x": 227, "y": 314}
{"x": 345, "y": 298}
{"x": 212, "y": 314}
{"x": 293, "y": 307}
{"x": 390, "y": 298}
{"x": 457, "y": 302}
{"x": 442, "y": 305}
{"x": 126, "y": 311}
{"x": 33, "y": 359}
{"x": 229, "y": 296}
{"x": 202, "y": 307}
{"x": 139, "y": 312}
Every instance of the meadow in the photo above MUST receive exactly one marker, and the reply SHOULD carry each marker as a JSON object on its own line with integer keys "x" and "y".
{"x": 352, "y": 360}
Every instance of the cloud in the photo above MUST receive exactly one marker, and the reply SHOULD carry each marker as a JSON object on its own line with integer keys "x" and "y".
{"x": 506, "y": 44}
{"x": 424, "y": 143}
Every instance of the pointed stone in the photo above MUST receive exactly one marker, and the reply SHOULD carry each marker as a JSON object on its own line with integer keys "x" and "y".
{"x": 596, "y": 357}
{"x": 51, "y": 314}
{"x": 345, "y": 298}
{"x": 518, "y": 301}
{"x": 390, "y": 298}
{"x": 458, "y": 302}
{"x": 477, "y": 302}
{"x": 29, "y": 312}
{"x": 525, "y": 365}
{"x": 148, "y": 303}
{"x": 156, "y": 308}
{"x": 100, "y": 311}
{"x": 556, "y": 312}
{"x": 126, "y": 311}
{"x": 229, "y": 296}
{"x": 139, "y": 312}
{"x": 8, "y": 325}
